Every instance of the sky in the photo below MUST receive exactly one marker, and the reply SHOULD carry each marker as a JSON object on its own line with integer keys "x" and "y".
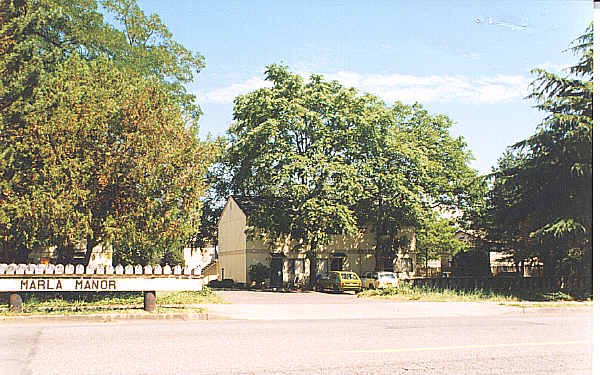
{"x": 468, "y": 60}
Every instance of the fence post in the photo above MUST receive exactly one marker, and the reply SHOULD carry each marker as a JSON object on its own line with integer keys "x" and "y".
{"x": 149, "y": 301}
{"x": 15, "y": 303}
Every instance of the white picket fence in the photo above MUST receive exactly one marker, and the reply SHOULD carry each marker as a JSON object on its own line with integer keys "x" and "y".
{"x": 73, "y": 270}
{"x": 17, "y": 278}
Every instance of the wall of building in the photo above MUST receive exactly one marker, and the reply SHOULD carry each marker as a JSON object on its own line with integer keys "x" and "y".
{"x": 232, "y": 243}
{"x": 198, "y": 257}
{"x": 238, "y": 250}
{"x": 101, "y": 254}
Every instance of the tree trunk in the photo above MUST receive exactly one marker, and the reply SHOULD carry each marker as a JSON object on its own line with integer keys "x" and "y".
{"x": 379, "y": 259}
{"x": 65, "y": 254}
{"x": 426, "y": 262}
{"x": 521, "y": 269}
{"x": 89, "y": 247}
{"x": 312, "y": 269}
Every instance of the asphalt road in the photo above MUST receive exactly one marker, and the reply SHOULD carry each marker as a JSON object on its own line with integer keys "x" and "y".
{"x": 556, "y": 342}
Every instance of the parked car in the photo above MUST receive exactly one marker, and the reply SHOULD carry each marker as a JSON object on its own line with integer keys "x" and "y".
{"x": 380, "y": 280}
{"x": 339, "y": 281}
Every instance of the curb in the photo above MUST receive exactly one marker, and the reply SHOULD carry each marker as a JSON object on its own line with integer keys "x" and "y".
{"x": 105, "y": 317}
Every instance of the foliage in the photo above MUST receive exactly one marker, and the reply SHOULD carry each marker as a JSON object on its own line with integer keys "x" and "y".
{"x": 410, "y": 165}
{"x": 540, "y": 203}
{"x": 258, "y": 273}
{"x": 94, "y": 145}
{"x": 146, "y": 46}
{"x": 173, "y": 256}
{"x": 287, "y": 148}
{"x": 406, "y": 292}
{"x": 36, "y": 35}
{"x": 212, "y": 202}
{"x": 471, "y": 263}
{"x": 437, "y": 236}
{"x": 325, "y": 160}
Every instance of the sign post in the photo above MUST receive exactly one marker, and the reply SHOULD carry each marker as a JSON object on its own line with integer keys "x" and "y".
{"x": 149, "y": 301}
{"x": 15, "y": 303}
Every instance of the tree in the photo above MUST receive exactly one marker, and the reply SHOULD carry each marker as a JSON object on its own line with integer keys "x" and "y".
{"x": 37, "y": 35}
{"x": 540, "y": 204}
{"x": 437, "y": 236}
{"x": 325, "y": 160}
{"x": 113, "y": 160}
{"x": 288, "y": 149}
{"x": 93, "y": 145}
{"x": 213, "y": 200}
{"x": 146, "y": 46}
{"x": 409, "y": 165}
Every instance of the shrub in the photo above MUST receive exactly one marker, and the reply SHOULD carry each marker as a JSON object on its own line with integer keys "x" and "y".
{"x": 258, "y": 273}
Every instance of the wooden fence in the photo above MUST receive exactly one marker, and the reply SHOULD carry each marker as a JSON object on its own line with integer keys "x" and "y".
{"x": 505, "y": 284}
{"x": 80, "y": 269}
{"x": 16, "y": 278}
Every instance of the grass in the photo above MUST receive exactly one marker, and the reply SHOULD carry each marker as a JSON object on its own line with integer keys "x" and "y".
{"x": 94, "y": 302}
{"x": 205, "y": 296}
{"x": 405, "y": 292}
{"x": 408, "y": 293}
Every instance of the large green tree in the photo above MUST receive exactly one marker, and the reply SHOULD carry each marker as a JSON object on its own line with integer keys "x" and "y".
{"x": 409, "y": 165}
{"x": 37, "y": 34}
{"x": 96, "y": 142}
{"x": 325, "y": 160}
{"x": 540, "y": 204}
{"x": 288, "y": 148}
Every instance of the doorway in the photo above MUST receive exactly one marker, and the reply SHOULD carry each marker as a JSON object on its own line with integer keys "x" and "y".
{"x": 276, "y": 279}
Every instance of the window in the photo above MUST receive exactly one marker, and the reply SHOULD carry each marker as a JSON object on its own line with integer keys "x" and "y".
{"x": 336, "y": 263}
{"x": 406, "y": 265}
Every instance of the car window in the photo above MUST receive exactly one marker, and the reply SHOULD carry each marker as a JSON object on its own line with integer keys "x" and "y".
{"x": 349, "y": 276}
{"x": 386, "y": 275}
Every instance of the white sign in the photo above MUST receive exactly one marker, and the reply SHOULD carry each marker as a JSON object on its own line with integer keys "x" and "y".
{"x": 97, "y": 284}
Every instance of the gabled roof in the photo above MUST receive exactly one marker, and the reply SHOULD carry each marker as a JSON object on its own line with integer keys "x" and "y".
{"x": 252, "y": 205}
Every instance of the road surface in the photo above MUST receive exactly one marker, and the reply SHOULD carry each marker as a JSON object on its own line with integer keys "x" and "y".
{"x": 489, "y": 342}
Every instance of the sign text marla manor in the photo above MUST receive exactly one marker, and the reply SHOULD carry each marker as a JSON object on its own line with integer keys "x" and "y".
{"x": 78, "y": 284}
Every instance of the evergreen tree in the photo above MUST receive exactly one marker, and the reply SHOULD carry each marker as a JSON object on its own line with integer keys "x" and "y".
{"x": 540, "y": 204}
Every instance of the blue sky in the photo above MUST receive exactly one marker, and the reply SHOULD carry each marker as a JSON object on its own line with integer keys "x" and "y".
{"x": 469, "y": 60}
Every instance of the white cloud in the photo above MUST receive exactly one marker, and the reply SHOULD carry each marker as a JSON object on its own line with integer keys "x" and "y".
{"x": 437, "y": 89}
{"x": 404, "y": 88}
{"x": 551, "y": 67}
{"x": 225, "y": 95}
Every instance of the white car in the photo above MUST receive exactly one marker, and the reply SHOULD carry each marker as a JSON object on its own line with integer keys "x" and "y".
{"x": 379, "y": 280}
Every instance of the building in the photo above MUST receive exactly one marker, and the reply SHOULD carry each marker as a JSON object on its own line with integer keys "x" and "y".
{"x": 502, "y": 263}
{"x": 287, "y": 259}
{"x": 441, "y": 266}
{"x": 101, "y": 254}
{"x": 199, "y": 257}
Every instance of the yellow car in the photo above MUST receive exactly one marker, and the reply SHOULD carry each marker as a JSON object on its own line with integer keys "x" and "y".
{"x": 339, "y": 281}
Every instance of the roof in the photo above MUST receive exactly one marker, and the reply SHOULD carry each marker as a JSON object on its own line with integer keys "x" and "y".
{"x": 252, "y": 205}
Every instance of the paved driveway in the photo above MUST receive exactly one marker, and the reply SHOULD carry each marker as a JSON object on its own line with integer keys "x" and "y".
{"x": 252, "y": 305}
{"x": 297, "y": 297}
